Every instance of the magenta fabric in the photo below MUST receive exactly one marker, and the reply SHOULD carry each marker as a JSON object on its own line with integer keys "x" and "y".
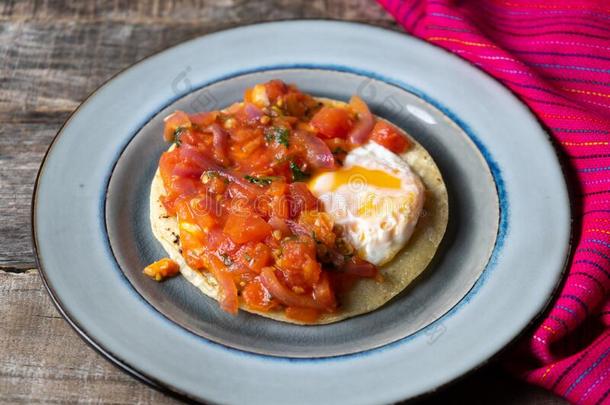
{"x": 555, "y": 56}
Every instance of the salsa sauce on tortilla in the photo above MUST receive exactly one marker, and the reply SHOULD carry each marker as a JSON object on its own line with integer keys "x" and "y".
{"x": 235, "y": 180}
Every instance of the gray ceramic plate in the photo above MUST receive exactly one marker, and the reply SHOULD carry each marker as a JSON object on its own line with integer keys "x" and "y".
{"x": 500, "y": 260}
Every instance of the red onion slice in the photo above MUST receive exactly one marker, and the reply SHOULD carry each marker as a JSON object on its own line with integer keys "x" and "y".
{"x": 220, "y": 141}
{"x": 361, "y": 131}
{"x": 318, "y": 155}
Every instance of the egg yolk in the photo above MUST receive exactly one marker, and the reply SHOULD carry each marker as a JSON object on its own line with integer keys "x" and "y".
{"x": 355, "y": 176}
{"x": 374, "y": 206}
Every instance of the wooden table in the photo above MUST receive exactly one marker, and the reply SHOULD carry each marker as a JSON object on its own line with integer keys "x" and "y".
{"x": 53, "y": 54}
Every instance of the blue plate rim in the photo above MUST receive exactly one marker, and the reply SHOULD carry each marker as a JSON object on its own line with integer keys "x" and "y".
{"x": 496, "y": 172}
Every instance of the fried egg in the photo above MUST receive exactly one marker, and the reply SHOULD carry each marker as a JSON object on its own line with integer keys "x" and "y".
{"x": 375, "y": 198}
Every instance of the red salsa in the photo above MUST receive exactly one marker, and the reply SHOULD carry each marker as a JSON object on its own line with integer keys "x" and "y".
{"x": 236, "y": 182}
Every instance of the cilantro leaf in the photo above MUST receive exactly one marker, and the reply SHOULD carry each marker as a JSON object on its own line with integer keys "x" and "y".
{"x": 297, "y": 173}
{"x": 280, "y": 135}
{"x": 261, "y": 180}
{"x": 177, "y": 132}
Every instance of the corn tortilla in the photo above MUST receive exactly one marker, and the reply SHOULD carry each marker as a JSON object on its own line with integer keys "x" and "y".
{"x": 366, "y": 295}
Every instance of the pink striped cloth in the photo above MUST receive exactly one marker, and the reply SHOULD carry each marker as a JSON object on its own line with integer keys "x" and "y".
{"x": 555, "y": 56}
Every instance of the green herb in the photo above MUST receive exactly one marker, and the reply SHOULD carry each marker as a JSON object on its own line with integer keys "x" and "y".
{"x": 297, "y": 173}
{"x": 261, "y": 180}
{"x": 247, "y": 257}
{"x": 177, "y": 132}
{"x": 339, "y": 150}
{"x": 279, "y": 135}
{"x": 226, "y": 259}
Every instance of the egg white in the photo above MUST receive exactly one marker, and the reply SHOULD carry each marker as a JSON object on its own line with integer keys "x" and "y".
{"x": 375, "y": 198}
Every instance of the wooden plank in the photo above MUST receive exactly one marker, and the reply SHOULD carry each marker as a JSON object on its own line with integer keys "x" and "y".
{"x": 22, "y": 146}
{"x": 192, "y": 11}
{"x": 44, "y": 361}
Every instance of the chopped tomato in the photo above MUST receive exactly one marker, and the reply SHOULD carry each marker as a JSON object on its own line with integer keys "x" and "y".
{"x": 285, "y": 295}
{"x": 279, "y": 207}
{"x": 214, "y": 182}
{"x": 320, "y": 224}
{"x": 298, "y": 261}
{"x": 265, "y": 94}
{"x": 243, "y": 228}
{"x": 203, "y": 119}
{"x": 192, "y": 137}
{"x": 300, "y": 199}
{"x": 323, "y": 293}
{"x": 218, "y": 241}
{"x": 256, "y": 256}
{"x": 258, "y": 298}
{"x": 277, "y": 188}
{"x": 162, "y": 269}
{"x": 297, "y": 104}
{"x": 202, "y": 210}
{"x": 187, "y": 222}
{"x": 360, "y": 133}
{"x": 275, "y": 88}
{"x": 278, "y": 202}
{"x": 167, "y": 162}
{"x": 306, "y": 315}
{"x": 183, "y": 169}
{"x": 192, "y": 255}
{"x": 332, "y": 122}
{"x": 389, "y": 137}
{"x": 174, "y": 121}
{"x": 236, "y": 181}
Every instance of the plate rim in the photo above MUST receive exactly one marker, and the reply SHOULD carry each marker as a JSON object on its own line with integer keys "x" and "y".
{"x": 485, "y": 155}
{"x": 168, "y": 388}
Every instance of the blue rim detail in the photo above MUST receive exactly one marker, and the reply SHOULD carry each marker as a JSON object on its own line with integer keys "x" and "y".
{"x": 503, "y": 226}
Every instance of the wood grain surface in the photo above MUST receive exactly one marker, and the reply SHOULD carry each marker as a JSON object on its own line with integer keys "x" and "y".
{"x": 52, "y": 55}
